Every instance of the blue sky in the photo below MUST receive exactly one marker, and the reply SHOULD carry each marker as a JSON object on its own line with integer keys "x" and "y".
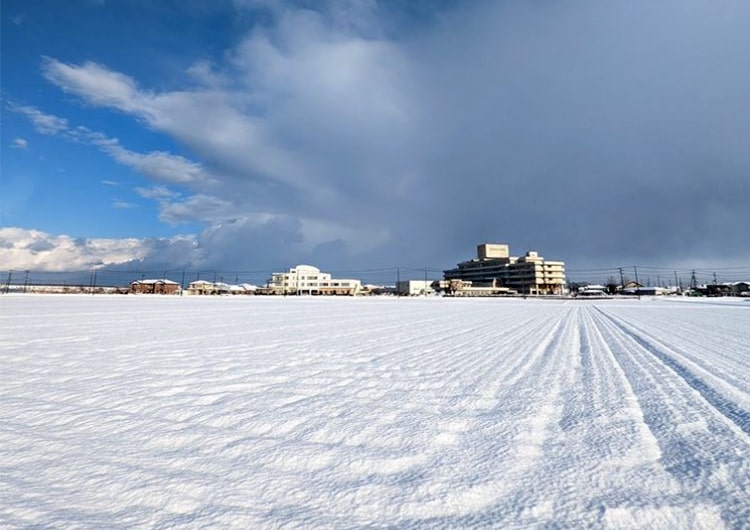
{"x": 257, "y": 134}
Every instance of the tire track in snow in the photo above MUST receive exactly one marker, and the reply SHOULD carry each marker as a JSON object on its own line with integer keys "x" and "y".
{"x": 502, "y": 444}
{"x": 717, "y": 350}
{"x": 735, "y": 413}
{"x": 600, "y": 430}
{"x": 701, "y": 448}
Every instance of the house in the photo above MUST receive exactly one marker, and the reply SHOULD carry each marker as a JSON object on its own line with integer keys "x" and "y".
{"x": 200, "y": 287}
{"x": 243, "y": 288}
{"x": 740, "y": 288}
{"x": 162, "y": 286}
{"x": 222, "y": 288}
{"x": 306, "y": 279}
{"x": 494, "y": 266}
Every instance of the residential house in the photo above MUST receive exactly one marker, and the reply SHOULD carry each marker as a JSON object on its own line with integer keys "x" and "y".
{"x": 162, "y": 286}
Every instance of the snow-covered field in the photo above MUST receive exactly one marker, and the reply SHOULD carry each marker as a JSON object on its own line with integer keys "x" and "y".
{"x": 168, "y": 412}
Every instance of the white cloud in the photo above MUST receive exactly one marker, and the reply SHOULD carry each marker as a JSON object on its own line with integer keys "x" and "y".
{"x": 19, "y": 143}
{"x": 99, "y": 85}
{"x": 22, "y": 249}
{"x": 158, "y": 165}
{"x": 207, "y": 208}
{"x": 156, "y": 192}
{"x": 43, "y": 123}
{"x": 123, "y": 205}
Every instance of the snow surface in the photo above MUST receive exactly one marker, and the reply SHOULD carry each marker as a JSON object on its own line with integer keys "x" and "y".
{"x": 263, "y": 412}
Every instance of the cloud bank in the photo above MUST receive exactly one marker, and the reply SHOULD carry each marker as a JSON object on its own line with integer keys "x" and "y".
{"x": 597, "y": 133}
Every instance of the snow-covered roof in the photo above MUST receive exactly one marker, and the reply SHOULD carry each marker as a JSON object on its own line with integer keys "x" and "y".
{"x": 200, "y": 283}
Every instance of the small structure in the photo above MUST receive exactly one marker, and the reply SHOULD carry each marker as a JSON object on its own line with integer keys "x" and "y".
{"x": 592, "y": 291}
{"x": 414, "y": 288}
{"x": 646, "y": 291}
{"x": 465, "y": 288}
{"x": 162, "y": 286}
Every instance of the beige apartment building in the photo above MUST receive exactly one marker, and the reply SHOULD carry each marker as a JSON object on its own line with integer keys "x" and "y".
{"x": 494, "y": 266}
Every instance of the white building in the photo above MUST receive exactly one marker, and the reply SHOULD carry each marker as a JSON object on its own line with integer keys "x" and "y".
{"x": 414, "y": 287}
{"x": 305, "y": 279}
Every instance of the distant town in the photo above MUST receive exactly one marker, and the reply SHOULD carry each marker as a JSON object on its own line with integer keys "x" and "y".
{"x": 493, "y": 272}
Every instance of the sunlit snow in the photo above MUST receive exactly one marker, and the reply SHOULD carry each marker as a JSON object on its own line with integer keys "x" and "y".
{"x": 263, "y": 412}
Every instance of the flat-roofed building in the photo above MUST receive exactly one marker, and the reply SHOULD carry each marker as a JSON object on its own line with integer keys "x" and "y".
{"x": 414, "y": 287}
{"x": 494, "y": 266}
{"x": 306, "y": 279}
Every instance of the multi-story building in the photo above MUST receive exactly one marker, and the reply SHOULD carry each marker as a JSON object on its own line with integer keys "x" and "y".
{"x": 305, "y": 279}
{"x": 494, "y": 266}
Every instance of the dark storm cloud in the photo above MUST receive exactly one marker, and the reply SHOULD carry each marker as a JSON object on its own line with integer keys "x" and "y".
{"x": 603, "y": 132}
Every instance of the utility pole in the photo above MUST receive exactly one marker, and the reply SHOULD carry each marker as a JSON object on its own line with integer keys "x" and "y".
{"x": 425, "y": 281}
{"x": 25, "y": 281}
{"x": 7, "y": 284}
{"x": 622, "y": 280}
{"x": 182, "y": 283}
{"x": 676, "y": 284}
{"x": 398, "y": 280}
{"x": 693, "y": 281}
{"x": 716, "y": 282}
{"x": 637, "y": 283}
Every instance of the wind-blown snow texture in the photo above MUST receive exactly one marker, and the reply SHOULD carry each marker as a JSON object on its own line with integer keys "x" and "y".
{"x": 168, "y": 412}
